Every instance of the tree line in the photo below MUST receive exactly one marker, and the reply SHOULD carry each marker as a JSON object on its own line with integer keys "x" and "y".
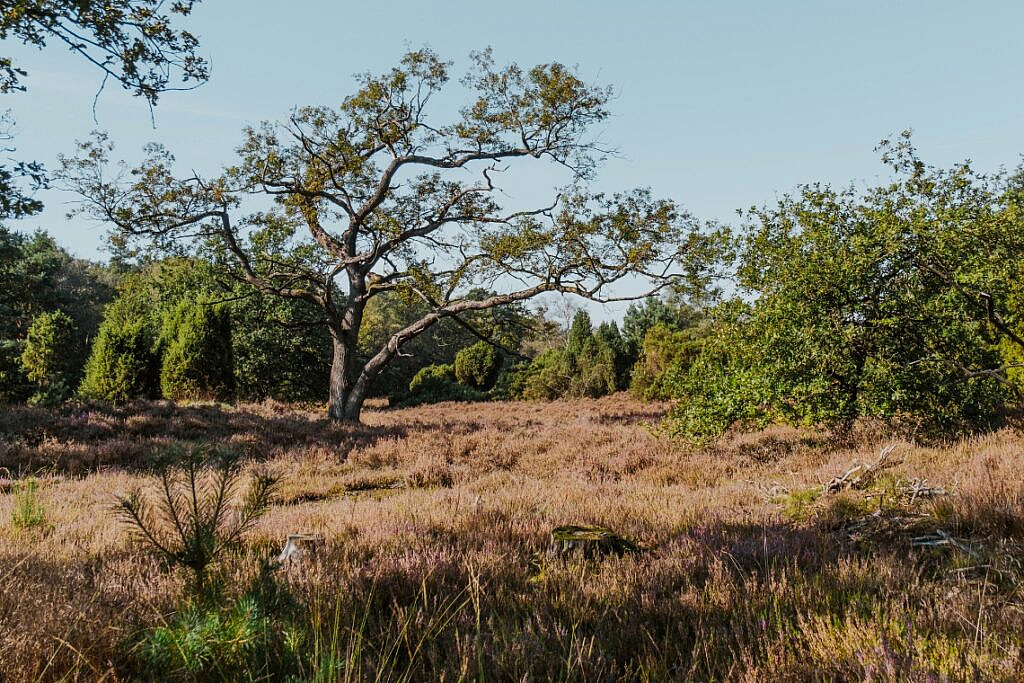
{"x": 899, "y": 301}
{"x": 386, "y": 260}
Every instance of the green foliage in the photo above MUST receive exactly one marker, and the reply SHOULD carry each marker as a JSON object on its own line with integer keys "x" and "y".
{"x": 670, "y": 312}
{"x": 665, "y": 355}
{"x": 798, "y": 506}
{"x": 890, "y": 303}
{"x": 593, "y": 363}
{"x": 580, "y": 331}
{"x": 280, "y": 349}
{"x": 132, "y": 41}
{"x": 549, "y": 376}
{"x": 123, "y": 364}
{"x": 193, "y": 521}
{"x": 52, "y": 357}
{"x": 511, "y": 383}
{"x": 205, "y": 643}
{"x": 28, "y": 512}
{"x": 196, "y": 343}
{"x": 613, "y": 354}
{"x": 437, "y": 383}
{"x": 39, "y": 277}
{"x": 477, "y": 366}
{"x": 386, "y": 314}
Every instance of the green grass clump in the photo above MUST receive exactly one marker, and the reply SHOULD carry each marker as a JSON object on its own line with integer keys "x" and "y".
{"x": 28, "y": 512}
{"x": 798, "y": 506}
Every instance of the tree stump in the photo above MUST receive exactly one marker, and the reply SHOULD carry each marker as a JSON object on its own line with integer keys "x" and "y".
{"x": 588, "y": 541}
{"x": 296, "y": 548}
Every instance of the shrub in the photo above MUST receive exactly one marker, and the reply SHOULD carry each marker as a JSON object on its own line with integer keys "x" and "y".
{"x": 437, "y": 383}
{"x": 511, "y": 382}
{"x": 477, "y": 366}
{"x": 197, "y": 361}
{"x": 277, "y": 353}
{"x": 51, "y": 357}
{"x": 724, "y": 385}
{"x": 664, "y": 355}
{"x": 205, "y": 643}
{"x": 549, "y": 376}
{"x": 122, "y": 365}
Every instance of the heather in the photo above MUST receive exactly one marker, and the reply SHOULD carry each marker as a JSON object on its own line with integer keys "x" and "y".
{"x": 435, "y": 565}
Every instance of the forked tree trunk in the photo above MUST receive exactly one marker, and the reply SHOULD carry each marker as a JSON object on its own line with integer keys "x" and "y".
{"x": 346, "y": 396}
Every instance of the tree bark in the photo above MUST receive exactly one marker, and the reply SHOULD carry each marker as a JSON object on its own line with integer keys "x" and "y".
{"x": 339, "y": 403}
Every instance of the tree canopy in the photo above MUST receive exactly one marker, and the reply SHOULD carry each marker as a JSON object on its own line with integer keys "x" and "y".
{"x": 133, "y": 42}
{"x": 895, "y": 301}
{"x": 374, "y": 196}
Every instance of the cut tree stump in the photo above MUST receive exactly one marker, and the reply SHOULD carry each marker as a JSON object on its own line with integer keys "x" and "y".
{"x": 296, "y": 548}
{"x": 589, "y": 541}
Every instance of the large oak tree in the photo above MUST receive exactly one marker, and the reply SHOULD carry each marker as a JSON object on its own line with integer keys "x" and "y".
{"x": 374, "y": 196}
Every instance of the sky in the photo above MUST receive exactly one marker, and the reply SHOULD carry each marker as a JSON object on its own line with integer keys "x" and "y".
{"x": 719, "y": 105}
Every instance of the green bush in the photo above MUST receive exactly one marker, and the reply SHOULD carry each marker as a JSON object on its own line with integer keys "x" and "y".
{"x": 549, "y": 376}
{"x": 50, "y": 358}
{"x": 593, "y": 363}
{"x": 208, "y": 643}
{"x": 665, "y": 354}
{"x": 122, "y": 365}
{"x": 477, "y": 366}
{"x": 276, "y": 350}
{"x": 437, "y": 383}
{"x": 511, "y": 382}
{"x": 197, "y": 361}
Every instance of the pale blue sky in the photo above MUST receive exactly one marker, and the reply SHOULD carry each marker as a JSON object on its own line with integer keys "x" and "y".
{"x": 721, "y": 104}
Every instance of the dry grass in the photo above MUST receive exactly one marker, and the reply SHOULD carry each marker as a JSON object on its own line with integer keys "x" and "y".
{"x": 436, "y": 519}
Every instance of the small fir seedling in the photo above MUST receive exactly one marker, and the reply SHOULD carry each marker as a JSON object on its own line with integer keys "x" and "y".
{"x": 193, "y": 520}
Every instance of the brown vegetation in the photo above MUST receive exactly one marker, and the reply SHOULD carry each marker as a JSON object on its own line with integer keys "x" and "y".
{"x": 436, "y": 520}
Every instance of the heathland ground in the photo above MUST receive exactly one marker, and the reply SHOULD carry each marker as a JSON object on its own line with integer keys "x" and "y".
{"x": 436, "y": 523}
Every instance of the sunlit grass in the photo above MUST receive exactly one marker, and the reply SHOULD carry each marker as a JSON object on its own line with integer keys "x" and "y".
{"x": 437, "y": 522}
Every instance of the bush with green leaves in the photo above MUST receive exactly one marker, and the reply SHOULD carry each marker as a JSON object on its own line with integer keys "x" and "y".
{"x": 477, "y": 366}
{"x": 209, "y": 643}
{"x": 123, "y": 364}
{"x": 196, "y": 360}
{"x": 511, "y": 383}
{"x": 670, "y": 311}
{"x": 437, "y": 383}
{"x": 593, "y": 363}
{"x": 613, "y": 355}
{"x": 194, "y": 519}
{"x": 665, "y": 354}
{"x": 890, "y": 303}
{"x": 51, "y": 358}
{"x": 549, "y": 376}
{"x": 509, "y": 325}
{"x": 279, "y": 348}
{"x": 37, "y": 276}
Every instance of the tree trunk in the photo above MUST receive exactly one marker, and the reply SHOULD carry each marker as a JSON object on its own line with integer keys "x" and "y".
{"x": 342, "y": 404}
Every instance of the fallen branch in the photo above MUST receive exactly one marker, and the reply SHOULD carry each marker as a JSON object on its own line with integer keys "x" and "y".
{"x": 920, "y": 488}
{"x": 864, "y": 473}
{"x": 941, "y": 538}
